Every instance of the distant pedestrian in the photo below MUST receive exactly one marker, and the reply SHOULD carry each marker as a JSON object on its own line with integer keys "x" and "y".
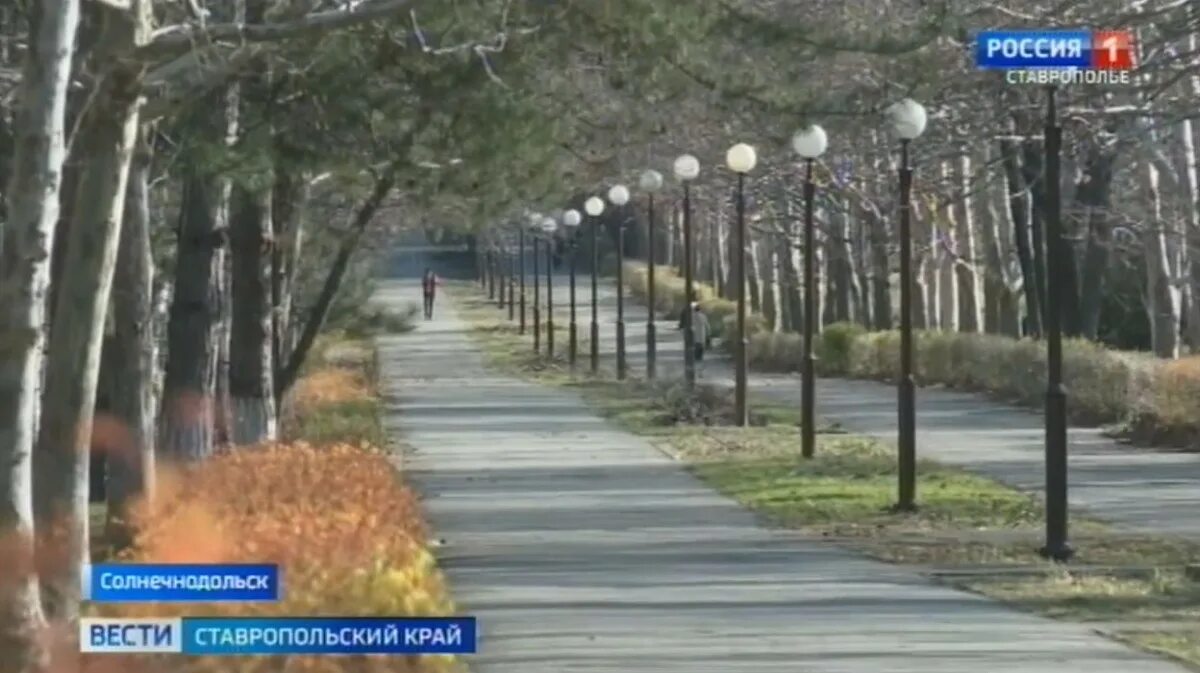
{"x": 429, "y": 285}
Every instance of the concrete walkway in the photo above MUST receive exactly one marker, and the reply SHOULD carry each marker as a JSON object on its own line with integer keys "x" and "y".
{"x": 1143, "y": 489}
{"x": 582, "y": 548}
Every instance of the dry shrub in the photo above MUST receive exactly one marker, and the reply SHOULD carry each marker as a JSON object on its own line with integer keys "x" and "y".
{"x": 348, "y": 537}
{"x": 332, "y": 385}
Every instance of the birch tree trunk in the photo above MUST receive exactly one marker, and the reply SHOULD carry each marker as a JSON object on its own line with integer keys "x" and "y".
{"x": 107, "y": 138}
{"x": 134, "y": 352}
{"x": 289, "y": 200}
{"x": 32, "y": 211}
{"x": 753, "y": 278}
{"x": 251, "y": 380}
{"x": 1019, "y": 211}
{"x": 1162, "y": 295}
{"x": 968, "y": 281}
{"x": 1192, "y": 218}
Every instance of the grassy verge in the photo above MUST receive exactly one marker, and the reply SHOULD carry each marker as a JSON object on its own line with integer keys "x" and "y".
{"x": 970, "y": 532}
{"x": 337, "y": 397}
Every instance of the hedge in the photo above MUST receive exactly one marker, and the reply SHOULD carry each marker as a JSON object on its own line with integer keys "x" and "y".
{"x": 1152, "y": 399}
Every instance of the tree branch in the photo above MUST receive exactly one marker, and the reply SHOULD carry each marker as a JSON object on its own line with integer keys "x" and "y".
{"x": 180, "y": 37}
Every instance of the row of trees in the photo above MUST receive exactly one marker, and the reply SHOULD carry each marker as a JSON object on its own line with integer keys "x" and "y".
{"x": 188, "y": 185}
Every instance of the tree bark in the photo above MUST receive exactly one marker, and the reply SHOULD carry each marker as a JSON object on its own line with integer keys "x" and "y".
{"x": 1192, "y": 217}
{"x": 1092, "y": 197}
{"x": 188, "y": 404}
{"x": 320, "y": 310}
{"x": 32, "y": 212}
{"x": 289, "y": 200}
{"x": 251, "y": 380}
{"x": 968, "y": 280}
{"x": 61, "y": 472}
{"x": 1162, "y": 295}
{"x": 134, "y": 353}
{"x": 1019, "y": 213}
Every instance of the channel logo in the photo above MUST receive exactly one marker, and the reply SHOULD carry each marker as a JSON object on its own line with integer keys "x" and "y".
{"x": 142, "y": 635}
{"x": 1051, "y": 49}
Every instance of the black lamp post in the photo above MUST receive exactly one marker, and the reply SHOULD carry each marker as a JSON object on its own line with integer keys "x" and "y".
{"x": 1057, "y": 547}
{"x": 619, "y": 196}
{"x": 571, "y": 220}
{"x": 512, "y": 279}
{"x": 687, "y": 168}
{"x": 537, "y": 297}
{"x": 650, "y": 182}
{"x": 521, "y": 249}
{"x": 741, "y": 159}
{"x": 594, "y": 206}
{"x": 549, "y": 226}
{"x": 489, "y": 263}
{"x": 809, "y": 144}
{"x": 501, "y": 277}
{"x": 908, "y": 122}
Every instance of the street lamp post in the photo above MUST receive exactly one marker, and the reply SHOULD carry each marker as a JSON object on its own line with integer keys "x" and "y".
{"x": 571, "y": 220}
{"x": 619, "y": 196}
{"x": 500, "y": 275}
{"x": 489, "y": 263}
{"x": 687, "y": 168}
{"x": 512, "y": 279}
{"x": 549, "y": 226}
{"x": 594, "y": 206}
{"x": 1057, "y": 547}
{"x": 741, "y": 159}
{"x": 535, "y": 224}
{"x": 521, "y": 249}
{"x": 908, "y": 122}
{"x": 650, "y": 182}
{"x": 809, "y": 144}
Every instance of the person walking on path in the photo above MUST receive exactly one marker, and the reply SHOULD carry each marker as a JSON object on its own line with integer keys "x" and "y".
{"x": 429, "y": 285}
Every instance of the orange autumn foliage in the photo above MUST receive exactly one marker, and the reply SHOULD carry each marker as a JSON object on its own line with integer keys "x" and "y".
{"x": 331, "y": 385}
{"x": 347, "y": 535}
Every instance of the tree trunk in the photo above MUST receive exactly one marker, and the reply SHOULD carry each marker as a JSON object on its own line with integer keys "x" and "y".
{"x": 32, "y": 212}
{"x": 333, "y": 280}
{"x": 1192, "y": 217}
{"x": 753, "y": 279}
{"x": 792, "y": 301}
{"x": 770, "y": 284}
{"x": 1092, "y": 197}
{"x": 926, "y": 297}
{"x": 1162, "y": 295}
{"x": 1031, "y": 169}
{"x": 134, "y": 353}
{"x": 107, "y": 138}
{"x": 289, "y": 200}
{"x": 1019, "y": 213}
{"x": 841, "y": 281}
{"x": 251, "y": 380}
{"x": 193, "y": 328}
{"x": 968, "y": 280}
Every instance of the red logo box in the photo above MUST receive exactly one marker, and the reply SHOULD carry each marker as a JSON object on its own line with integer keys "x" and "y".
{"x": 1112, "y": 50}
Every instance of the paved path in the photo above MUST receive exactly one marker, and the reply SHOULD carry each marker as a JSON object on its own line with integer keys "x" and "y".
{"x": 582, "y": 548}
{"x": 1143, "y": 489}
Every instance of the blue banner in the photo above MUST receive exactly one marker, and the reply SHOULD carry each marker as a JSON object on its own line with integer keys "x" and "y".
{"x": 328, "y": 635}
{"x": 233, "y": 636}
{"x": 188, "y": 583}
{"x": 1033, "y": 49}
